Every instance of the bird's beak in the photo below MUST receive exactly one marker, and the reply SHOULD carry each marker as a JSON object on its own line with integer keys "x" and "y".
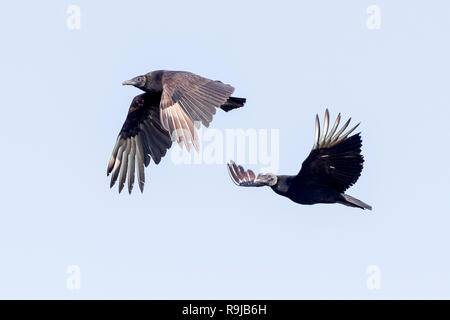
{"x": 129, "y": 83}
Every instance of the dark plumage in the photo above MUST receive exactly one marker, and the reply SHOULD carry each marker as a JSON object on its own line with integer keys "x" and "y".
{"x": 333, "y": 165}
{"x": 174, "y": 103}
{"x": 186, "y": 100}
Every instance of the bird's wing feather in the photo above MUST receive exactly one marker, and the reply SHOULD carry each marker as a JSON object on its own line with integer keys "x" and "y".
{"x": 335, "y": 159}
{"x": 242, "y": 177}
{"x": 141, "y": 138}
{"x": 188, "y": 99}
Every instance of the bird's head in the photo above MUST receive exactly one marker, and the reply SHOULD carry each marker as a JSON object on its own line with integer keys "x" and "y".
{"x": 139, "y": 82}
{"x": 268, "y": 179}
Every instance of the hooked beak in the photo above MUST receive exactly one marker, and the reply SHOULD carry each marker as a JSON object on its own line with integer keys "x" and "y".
{"x": 129, "y": 83}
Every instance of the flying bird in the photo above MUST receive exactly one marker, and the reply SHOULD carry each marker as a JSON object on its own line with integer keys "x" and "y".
{"x": 333, "y": 165}
{"x": 174, "y": 105}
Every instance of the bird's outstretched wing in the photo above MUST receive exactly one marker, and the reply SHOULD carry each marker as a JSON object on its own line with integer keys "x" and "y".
{"x": 141, "y": 138}
{"x": 335, "y": 159}
{"x": 186, "y": 99}
{"x": 244, "y": 178}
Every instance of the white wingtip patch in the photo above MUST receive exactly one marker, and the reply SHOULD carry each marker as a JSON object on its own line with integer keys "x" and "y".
{"x": 329, "y": 139}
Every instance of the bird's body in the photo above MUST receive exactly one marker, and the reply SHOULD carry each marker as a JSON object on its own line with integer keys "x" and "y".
{"x": 334, "y": 164}
{"x": 173, "y": 105}
{"x": 305, "y": 192}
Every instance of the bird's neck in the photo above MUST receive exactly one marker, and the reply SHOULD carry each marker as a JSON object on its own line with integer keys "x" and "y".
{"x": 282, "y": 185}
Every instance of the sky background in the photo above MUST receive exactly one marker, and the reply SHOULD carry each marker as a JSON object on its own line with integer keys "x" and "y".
{"x": 193, "y": 234}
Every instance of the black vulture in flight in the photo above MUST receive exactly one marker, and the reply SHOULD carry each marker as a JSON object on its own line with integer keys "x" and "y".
{"x": 333, "y": 165}
{"x": 174, "y": 103}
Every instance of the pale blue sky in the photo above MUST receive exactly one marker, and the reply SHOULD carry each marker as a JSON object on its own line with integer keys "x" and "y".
{"x": 193, "y": 234}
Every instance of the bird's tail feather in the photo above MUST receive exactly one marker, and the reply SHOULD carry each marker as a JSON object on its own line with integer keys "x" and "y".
{"x": 233, "y": 103}
{"x": 353, "y": 202}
